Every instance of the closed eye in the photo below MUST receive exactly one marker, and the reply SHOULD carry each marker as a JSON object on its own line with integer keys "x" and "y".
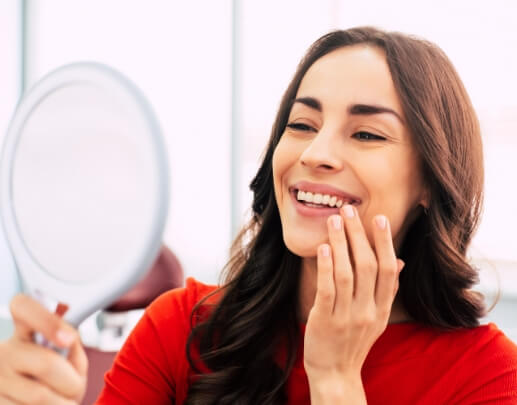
{"x": 366, "y": 136}
{"x": 298, "y": 126}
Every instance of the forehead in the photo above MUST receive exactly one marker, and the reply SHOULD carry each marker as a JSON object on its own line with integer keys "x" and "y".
{"x": 349, "y": 75}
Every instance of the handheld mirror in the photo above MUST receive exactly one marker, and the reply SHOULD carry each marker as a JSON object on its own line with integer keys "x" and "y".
{"x": 83, "y": 188}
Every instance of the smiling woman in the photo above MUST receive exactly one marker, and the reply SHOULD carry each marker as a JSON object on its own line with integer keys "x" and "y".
{"x": 381, "y": 120}
{"x": 350, "y": 284}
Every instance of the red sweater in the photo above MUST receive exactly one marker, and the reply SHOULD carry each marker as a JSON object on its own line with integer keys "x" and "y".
{"x": 408, "y": 364}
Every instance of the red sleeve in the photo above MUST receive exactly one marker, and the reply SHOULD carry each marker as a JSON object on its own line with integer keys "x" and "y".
{"x": 494, "y": 371}
{"x": 151, "y": 367}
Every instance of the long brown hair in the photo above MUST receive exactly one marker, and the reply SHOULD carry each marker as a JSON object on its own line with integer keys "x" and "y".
{"x": 239, "y": 340}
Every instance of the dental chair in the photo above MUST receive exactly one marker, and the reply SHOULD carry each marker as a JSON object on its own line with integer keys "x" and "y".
{"x": 112, "y": 323}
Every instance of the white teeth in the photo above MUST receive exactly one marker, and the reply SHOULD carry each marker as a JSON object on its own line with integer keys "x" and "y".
{"x": 323, "y": 199}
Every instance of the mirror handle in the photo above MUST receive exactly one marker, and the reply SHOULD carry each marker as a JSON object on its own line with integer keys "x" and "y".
{"x": 53, "y": 306}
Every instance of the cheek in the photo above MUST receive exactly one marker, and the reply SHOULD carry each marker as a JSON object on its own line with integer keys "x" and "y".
{"x": 277, "y": 168}
{"x": 281, "y": 163}
{"x": 394, "y": 191}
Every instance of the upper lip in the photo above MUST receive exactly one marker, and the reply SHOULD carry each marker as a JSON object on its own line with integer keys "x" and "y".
{"x": 323, "y": 189}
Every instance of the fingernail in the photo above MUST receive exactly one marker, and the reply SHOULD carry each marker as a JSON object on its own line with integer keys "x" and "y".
{"x": 336, "y": 222}
{"x": 381, "y": 221}
{"x": 325, "y": 250}
{"x": 349, "y": 211}
{"x": 61, "y": 309}
{"x": 65, "y": 338}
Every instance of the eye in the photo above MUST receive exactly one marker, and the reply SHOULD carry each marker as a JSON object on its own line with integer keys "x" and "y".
{"x": 366, "y": 136}
{"x": 298, "y": 126}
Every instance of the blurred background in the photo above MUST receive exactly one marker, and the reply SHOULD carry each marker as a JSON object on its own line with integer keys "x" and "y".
{"x": 215, "y": 71}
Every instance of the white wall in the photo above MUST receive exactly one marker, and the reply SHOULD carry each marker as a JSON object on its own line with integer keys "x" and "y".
{"x": 179, "y": 54}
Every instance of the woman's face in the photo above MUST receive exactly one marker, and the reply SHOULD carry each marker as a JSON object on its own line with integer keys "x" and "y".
{"x": 345, "y": 141}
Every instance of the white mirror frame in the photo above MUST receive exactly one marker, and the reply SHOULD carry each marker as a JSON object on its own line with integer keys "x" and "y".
{"x": 114, "y": 284}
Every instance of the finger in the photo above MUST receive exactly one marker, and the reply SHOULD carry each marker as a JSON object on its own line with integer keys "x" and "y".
{"x": 343, "y": 273}
{"x": 78, "y": 359}
{"x": 400, "y": 266}
{"x": 395, "y": 290}
{"x": 325, "y": 289}
{"x": 387, "y": 263}
{"x": 47, "y": 367}
{"x": 363, "y": 257}
{"x": 24, "y": 390}
{"x": 30, "y": 316}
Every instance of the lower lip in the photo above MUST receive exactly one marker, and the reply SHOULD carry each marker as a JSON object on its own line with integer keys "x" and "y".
{"x": 307, "y": 211}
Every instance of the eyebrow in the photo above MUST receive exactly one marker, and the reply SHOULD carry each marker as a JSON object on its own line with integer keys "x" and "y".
{"x": 355, "y": 109}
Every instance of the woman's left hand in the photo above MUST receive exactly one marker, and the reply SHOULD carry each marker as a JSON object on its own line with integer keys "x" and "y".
{"x": 353, "y": 302}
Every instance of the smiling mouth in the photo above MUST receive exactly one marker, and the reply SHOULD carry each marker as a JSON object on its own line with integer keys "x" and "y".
{"x": 318, "y": 200}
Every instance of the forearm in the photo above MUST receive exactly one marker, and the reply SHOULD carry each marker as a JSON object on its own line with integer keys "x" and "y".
{"x": 334, "y": 391}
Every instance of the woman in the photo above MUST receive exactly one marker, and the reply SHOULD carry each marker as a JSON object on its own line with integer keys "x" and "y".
{"x": 374, "y": 164}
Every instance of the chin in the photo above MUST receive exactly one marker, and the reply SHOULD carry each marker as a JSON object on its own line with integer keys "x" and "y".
{"x": 303, "y": 247}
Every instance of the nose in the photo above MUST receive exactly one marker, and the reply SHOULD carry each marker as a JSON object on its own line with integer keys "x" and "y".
{"x": 322, "y": 153}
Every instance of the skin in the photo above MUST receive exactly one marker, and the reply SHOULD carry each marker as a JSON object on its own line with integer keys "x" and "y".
{"x": 32, "y": 374}
{"x": 349, "y": 270}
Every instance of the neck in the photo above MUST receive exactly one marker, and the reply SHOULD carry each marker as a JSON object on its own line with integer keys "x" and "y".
{"x": 307, "y": 294}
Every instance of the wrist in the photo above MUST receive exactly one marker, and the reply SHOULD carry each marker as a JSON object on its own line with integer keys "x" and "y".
{"x": 334, "y": 389}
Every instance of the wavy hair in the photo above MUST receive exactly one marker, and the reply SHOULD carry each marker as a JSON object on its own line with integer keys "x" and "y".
{"x": 233, "y": 348}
